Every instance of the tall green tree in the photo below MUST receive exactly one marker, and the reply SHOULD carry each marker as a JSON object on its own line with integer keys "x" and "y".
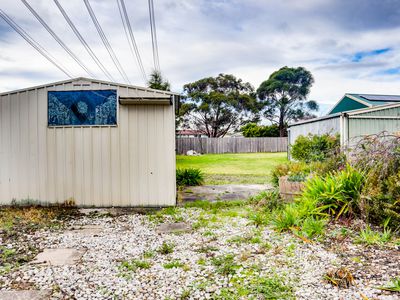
{"x": 158, "y": 82}
{"x": 285, "y": 96}
{"x": 220, "y": 104}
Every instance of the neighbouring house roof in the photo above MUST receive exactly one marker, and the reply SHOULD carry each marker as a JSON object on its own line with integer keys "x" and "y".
{"x": 352, "y": 101}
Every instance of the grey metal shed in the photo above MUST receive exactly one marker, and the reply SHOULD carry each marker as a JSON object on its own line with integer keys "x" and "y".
{"x": 351, "y": 125}
{"x": 88, "y": 141}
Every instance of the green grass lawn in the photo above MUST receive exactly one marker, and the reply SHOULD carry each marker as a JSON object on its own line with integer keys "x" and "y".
{"x": 233, "y": 168}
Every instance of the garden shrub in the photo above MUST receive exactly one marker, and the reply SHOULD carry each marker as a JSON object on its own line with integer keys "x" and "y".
{"x": 378, "y": 156}
{"x": 268, "y": 200}
{"x": 287, "y": 218}
{"x": 313, "y": 226}
{"x": 254, "y": 130}
{"x": 337, "y": 193}
{"x": 189, "y": 176}
{"x": 315, "y": 147}
{"x": 293, "y": 169}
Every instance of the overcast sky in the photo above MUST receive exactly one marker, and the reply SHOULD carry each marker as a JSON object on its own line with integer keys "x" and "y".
{"x": 348, "y": 45}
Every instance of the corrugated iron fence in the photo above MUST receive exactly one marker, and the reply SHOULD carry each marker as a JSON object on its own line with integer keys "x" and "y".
{"x": 231, "y": 145}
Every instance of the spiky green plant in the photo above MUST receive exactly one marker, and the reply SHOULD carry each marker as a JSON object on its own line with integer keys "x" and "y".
{"x": 189, "y": 176}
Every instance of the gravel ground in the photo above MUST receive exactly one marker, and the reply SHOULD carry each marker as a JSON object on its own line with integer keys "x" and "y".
{"x": 217, "y": 259}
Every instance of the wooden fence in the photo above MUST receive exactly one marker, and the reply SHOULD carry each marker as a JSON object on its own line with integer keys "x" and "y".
{"x": 231, "y": 145}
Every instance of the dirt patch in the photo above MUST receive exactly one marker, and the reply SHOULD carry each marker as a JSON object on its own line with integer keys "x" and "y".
{"x": 17, "y": 231}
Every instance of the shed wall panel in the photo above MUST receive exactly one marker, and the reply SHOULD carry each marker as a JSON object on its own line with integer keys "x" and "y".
{"x": 363, "y": 127}
{"x": 131, "y": 164}
{"x": 331, "y": 126}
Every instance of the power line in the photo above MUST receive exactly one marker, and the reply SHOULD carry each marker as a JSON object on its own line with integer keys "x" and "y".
{"x": 106, "y": 42}
{"x": 83, "y": 41}
{"x": 33, "y": 43}
{"x": 131, "y": 38}
{"x": 154, "y": 36}
{"x": 58, "y": 39}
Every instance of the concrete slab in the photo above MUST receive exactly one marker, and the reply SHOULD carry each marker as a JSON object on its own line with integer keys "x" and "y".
{"x": 24, "y": 295}
{"x": 222, "y": 192}
{"x": 174, "y": 227}
{"x": 59, "y": 257}
{"x": 86, "y": 230}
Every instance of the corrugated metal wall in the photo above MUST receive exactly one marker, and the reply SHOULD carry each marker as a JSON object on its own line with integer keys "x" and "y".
{"x": 331, "y": 125}
{"x": 132, "y": 164}
{"x": 373, "y": 122}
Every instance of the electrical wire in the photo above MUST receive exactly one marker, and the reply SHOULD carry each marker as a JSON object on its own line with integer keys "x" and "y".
{"x": 106, "y": 42}
{"x": 33, "y": 43}
{"x": 130, "y": 37}
{"x": 154, "y": 36}
{"x": 83, "y": 41}
{"x": 58, "y": 39}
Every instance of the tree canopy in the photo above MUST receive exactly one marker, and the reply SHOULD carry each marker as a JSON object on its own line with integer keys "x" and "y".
{"x": 285, "y": 96}
{"x": 220, "y": 104}
{"x": 158, "y": 82}
{"x": 254, "y": 130}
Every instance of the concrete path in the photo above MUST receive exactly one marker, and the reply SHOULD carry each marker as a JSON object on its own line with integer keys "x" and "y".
{"x": 222, "y": 192}
{"x": 180, "y": 227}
{"x": 58, "y": 257}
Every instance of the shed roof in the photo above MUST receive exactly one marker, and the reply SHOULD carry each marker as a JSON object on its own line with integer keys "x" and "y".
{"x": 367, "y": 100}
{"x": 374, "y": 99}
{"x": 352, "y": 112}
{"x": 83, "y": 79}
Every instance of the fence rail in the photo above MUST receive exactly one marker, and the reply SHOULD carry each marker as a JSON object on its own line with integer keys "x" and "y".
{"x": 231, "y": 145}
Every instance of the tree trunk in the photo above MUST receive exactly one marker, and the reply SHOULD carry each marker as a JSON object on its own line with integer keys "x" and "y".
{"x": 281, "y": 126}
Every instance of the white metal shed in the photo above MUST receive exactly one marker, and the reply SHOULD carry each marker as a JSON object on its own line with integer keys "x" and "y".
{"x": 91, "y": 142}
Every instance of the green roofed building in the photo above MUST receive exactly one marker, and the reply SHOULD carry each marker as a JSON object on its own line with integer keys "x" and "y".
{"x": 357, "y": 101}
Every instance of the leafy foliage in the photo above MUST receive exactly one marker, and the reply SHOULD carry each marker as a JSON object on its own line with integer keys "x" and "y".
{"x": 285, "y": 94}
{"x": 315, "y": 147}
{"x": 393, "y": 286}
{"x": 378, "y": 156}
{"x": 158, "y": 82}
{"x": 312, "y": 227}
{"x": 254, "y": 130}
{"x": 287, "y": 218}
{"x": 225, "y": 264}
{"x": 173, "y": 264}
{"x": 166, "y": 248}
{"x": 221, "y": 104}
{"x": 133, "y": 265}
{"x": 337, "y": 194}
{"x": 189, "y": 176}
{"x": 369, "y": 237}
{"x": 289, "y": 169}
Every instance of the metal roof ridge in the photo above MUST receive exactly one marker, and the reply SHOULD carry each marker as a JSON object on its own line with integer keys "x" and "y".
{"x": 71, "y": 80}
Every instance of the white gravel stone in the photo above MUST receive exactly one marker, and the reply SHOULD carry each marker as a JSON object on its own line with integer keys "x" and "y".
{"x": 127, "y": 237}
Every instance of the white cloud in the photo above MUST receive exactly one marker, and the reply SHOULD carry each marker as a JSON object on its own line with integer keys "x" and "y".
{"x": 249, "y": 39}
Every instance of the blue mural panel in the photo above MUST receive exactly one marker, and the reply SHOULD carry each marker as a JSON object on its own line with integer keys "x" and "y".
{"x": 91, "y": 107}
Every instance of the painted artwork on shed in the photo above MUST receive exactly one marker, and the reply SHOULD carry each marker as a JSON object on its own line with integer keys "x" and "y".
{"x": 90, "y": 107}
